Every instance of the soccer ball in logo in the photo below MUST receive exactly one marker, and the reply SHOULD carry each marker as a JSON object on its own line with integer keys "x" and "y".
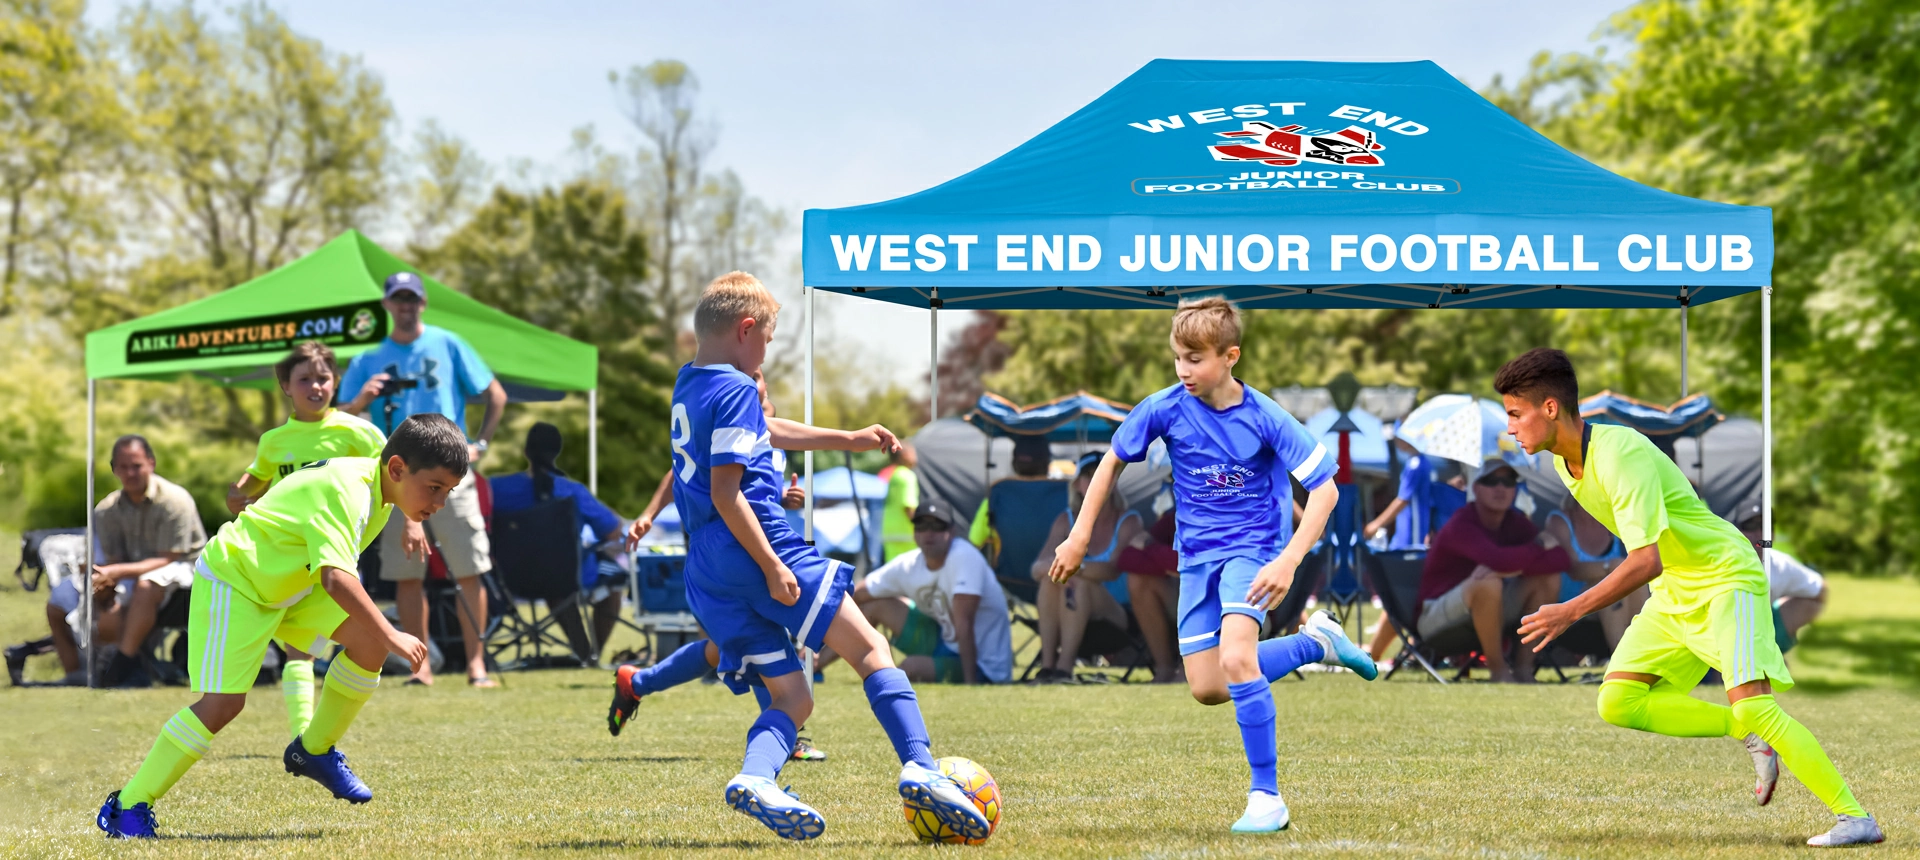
{"x": 978, "y": 784}
{"x": 362, "y": 325}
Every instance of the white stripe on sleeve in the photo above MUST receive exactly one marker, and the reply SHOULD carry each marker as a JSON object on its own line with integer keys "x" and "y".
{"x": 733, "y": 440}
{"x": 1305, "y": 469}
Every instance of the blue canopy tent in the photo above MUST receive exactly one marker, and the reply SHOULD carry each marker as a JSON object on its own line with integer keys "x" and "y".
{"x": 1367, "y": 440}
{"x": 1663, "y": 424}
{"x": 1077, "y": 417}
{"x": 1282, "y": 184}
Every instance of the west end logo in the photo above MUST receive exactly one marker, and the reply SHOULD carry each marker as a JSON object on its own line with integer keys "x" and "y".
{"x": 1293, "y": 143}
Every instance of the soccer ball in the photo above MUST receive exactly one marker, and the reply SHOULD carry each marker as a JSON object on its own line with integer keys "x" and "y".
{"x": 978, "y": 784}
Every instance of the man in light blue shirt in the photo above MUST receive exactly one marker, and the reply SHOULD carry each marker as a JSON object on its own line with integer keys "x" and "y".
{"x": 422, "y": 368}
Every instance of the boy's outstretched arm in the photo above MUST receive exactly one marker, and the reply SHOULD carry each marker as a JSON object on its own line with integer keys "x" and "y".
{"x": 733, "y": 509}
{"x": 795, "y": 436}
{"x": 1067, "y": 558}
{"x": 1276, "y": 576}
{"x": 1641, "y": 566}
{"x": 644, "y": 523}
{"x": 345, "y": 590}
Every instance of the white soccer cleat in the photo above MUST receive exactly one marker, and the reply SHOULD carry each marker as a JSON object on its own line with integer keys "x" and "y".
{"x": 1850, "y": 831}
{"x": 1266, "y": 813}
{"x": 932, "y": 790}
{"x": 782, "y": 813}
{"x": 1337, "y": 649}
{"x": 1766, "y": 767}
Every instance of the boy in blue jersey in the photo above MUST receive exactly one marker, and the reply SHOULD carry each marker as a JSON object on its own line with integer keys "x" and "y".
{"x": 1232, "y": 450}
{"x": 761, "y": 591}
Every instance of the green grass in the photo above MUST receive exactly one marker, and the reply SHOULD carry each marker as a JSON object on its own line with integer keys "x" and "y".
{"x": 1405, "y": 768}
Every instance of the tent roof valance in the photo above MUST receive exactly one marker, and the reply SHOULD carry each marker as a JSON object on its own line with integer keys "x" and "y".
{"x": 332, "y": 294}
{"x": 1296, "y": 185}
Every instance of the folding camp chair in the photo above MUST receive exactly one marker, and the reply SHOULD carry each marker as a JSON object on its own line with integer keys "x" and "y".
{"x": 536, "y": 555}
{"x": 1395, "y": 577}
{"x": 1021, "y": 513}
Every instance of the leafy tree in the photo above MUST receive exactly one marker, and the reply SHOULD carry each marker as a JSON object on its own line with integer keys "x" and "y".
{"x": 571, "y": 261}
{"x": 659, "y": 99}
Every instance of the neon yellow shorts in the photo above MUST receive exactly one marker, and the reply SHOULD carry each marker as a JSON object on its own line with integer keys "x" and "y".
{"x": 227, "y": 634}
{"x": 1732, "y": 633}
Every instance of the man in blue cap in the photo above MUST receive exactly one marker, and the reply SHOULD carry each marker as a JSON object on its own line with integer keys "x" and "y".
{"x": 422, "y": 368}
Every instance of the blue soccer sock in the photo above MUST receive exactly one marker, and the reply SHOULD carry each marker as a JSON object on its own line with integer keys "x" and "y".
{"x": 1279, "y": 657}
{"x": 898, "y": 710}
{"x": 686, "y": 664}
{"x": 1253, "y": 709}
{"x": 762, "y": 695}
{"x": 769, "y": 744}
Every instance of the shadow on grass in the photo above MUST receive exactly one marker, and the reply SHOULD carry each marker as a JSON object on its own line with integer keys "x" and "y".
{"x": 309, "y": 835}
{"x": 669, "y": 844}
{"x": 253, "y": 756}
{"x": 1871, "y": 648}
{"x": 633, "y": 758}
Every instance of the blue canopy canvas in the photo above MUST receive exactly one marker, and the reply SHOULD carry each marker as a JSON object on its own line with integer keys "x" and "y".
{"x": 1077, "y": 417}
{"x": 1285, "y": 184}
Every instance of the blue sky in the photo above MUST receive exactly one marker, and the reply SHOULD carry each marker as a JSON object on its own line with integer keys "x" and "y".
{"x": 838, "y": 103}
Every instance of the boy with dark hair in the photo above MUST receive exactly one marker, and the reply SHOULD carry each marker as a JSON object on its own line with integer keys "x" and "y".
{"x": 761, "y": 591}
{"x": 1232, "y": 450}
{"x": 1709, "y": 603}
{"x": 286, "y": 569}
{"x": 308, "y": 376}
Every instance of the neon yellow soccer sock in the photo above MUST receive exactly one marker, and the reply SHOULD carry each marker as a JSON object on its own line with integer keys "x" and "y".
{"x": 1799, "y": 751}
{"x": 1634, "y": 705}
{"x": 181, "y": 743}
{"x": 347, "y": 688}
{"x": 296, "y": 684}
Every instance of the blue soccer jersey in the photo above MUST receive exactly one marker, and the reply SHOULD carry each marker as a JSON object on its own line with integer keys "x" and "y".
{"x": 1230, "y": 469}
{"x": 717, "y": 422}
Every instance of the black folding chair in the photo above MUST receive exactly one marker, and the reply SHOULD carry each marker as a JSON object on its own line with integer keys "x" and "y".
{"x": 536, "y": 556}
{"x": 1395, "y": 577}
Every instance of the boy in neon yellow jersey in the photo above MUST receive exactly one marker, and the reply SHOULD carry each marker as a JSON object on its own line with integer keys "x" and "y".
{"x": 285, "y": 568}
{"x": 315, "y": 431}
{"x": 1709, "y": 604}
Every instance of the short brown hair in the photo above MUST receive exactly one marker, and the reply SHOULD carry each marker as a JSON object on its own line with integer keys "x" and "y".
{"x": 1538, "y": 374}
{"x": 1209, "y": 323}
{"x": 731, "y": 298}
{"x": 303, "y": 352}
{"x": 428, "y": 440}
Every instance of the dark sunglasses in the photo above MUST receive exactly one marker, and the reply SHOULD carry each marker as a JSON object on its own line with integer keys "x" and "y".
{"x": 1499, "y": 480}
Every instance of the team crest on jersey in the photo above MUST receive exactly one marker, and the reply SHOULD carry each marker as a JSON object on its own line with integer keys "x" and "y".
{"x": 1292, "y": 144}
{"x": 1226, "y": 481}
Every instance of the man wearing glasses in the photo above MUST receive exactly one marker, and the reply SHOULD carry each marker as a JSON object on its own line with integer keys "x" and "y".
{"x": 422, "y": 368}
{"x": 1489, "y": 566}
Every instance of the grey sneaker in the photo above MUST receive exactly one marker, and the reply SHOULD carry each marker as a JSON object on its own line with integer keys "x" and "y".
{"x": 1850, "y": 831}
{"x": 1766, "y": 766}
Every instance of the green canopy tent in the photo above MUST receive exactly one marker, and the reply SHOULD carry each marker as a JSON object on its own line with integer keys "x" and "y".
{"x": 331, "y": 295}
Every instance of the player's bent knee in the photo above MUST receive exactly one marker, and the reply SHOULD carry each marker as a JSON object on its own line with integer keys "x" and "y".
{"x": 1624, "y": 703}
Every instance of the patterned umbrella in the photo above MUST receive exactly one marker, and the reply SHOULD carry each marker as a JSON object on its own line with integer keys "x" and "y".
{"x": 1463, "y": 428}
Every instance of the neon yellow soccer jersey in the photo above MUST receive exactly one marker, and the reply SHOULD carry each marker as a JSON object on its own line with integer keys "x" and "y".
{"x": 1640, "y": 495}
{"x": 297, "y": 443}
{"x": 323, "y": 514}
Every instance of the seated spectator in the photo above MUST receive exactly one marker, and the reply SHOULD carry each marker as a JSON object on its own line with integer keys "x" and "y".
{"x": 1596, "y": 552}
{"x": 543, "y": 481}
{"x": 149, "y": 534}
{"x": 1798, "y": 592}
{"x": 1152, "y": 567}
{"x": 1067, "y": 607}
{"x": 940, "y": 599}
{"x": 1485, "y": 568}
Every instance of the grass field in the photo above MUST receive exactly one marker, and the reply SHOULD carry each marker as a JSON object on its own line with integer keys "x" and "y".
{"x": 1404, "y": 768}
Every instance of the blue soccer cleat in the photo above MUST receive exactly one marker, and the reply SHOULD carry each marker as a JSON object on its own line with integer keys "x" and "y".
{"x": 1340, "y": 651}
{"x": 780, "y": 811}
{"x": 134, "y": 823}
{"x": 1266, "y": 813}
{"x": 329, "y": 769}
{"x": 935, "y": 791}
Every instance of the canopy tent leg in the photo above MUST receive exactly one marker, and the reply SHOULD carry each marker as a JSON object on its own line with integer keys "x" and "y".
{"x": 808, "y": 456}
{"x": 933, "y": 370}
{"x": 1766, "y": 418}
{"x": 86, "y": 586}
{"x": 1683, "y": 349}
{"x": 593, "y": 441}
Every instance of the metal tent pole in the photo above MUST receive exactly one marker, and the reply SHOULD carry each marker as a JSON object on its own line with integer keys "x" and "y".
{"x": 593, "y": 441}
{"x": 86, "y": 573}
{"x": 808, "y": 456}
{"x": 1766, "y": 418}
{"x": 1683, "y": 347}
{"x": 933, "y": 372}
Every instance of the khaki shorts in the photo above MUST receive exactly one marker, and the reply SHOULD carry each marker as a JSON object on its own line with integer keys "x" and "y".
{"x": 1449, "y": 610}
{"x": 460, "y": 530}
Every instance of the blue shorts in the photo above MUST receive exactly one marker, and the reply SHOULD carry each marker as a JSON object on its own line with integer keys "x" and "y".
{"x": 756, "y": 635}
{"x": 1210, "y": 591}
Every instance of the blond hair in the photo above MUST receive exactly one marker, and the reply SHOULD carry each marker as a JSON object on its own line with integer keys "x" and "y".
{"x": 731, "y": 298}
{"x": 1209, "y": 323}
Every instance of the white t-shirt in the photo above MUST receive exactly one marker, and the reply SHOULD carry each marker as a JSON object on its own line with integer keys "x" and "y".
{"x": 932, "y": 591}
{"x": 1788, "y": 577}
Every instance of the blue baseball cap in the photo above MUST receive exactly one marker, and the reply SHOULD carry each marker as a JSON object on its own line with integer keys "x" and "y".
{"x": 405, "y": 282}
